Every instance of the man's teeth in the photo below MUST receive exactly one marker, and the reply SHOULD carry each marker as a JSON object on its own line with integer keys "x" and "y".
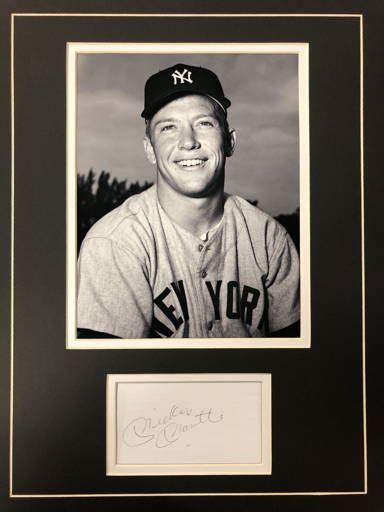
{"x": 190, "y": 163}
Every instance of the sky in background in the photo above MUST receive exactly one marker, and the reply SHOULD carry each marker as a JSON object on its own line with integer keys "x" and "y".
{"x": 264, "y": 112}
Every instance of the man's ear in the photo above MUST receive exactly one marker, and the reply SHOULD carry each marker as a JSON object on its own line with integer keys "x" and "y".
{"x": 231, "y": 143}
{"x": 148, "y": 148}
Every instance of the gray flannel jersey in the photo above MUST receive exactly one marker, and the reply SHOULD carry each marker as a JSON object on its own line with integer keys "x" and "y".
{"x": 142, "y": 276}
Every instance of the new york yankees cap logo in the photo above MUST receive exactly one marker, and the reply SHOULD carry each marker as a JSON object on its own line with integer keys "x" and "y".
{"x": 179, "y": 80}
{"x": 176, "y": 75}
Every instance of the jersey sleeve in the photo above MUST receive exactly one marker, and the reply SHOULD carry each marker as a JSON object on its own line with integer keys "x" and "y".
{"x": 114, "y": 295}
{"x": 283, "y": 284}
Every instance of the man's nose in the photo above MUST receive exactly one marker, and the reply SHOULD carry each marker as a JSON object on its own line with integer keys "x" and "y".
{"x": 188, "y": 139}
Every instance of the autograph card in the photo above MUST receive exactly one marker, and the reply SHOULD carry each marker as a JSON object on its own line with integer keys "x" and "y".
{"x": 189, "y": 424}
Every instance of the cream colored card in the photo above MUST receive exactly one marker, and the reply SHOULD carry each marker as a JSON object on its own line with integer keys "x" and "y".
{"x": 189, "y": 424}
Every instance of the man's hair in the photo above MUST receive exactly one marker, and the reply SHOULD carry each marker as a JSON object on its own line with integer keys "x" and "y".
{"x": 219, "y": 114}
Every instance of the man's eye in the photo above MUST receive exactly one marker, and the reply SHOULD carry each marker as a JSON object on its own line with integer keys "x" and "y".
{"x": 206, "y": 123}
{"x": 167, "y": 127}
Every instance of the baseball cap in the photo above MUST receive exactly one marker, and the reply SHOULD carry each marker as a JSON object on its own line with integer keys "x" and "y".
{"x": 179, "y": 80}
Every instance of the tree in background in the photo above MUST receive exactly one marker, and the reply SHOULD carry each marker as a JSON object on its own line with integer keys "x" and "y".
{"x": 93, "y": 202}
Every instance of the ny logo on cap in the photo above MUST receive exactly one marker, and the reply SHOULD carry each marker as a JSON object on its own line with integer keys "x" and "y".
{"x": 181, "y": 76}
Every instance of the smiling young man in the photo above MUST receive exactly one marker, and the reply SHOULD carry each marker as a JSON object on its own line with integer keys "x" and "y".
{"x": 184, "y": 259}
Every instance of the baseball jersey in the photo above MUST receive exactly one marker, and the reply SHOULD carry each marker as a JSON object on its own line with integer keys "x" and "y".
{"x": 140, "y": 275}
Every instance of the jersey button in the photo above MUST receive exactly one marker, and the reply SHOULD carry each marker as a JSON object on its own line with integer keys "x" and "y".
{"x": 204, "y": 273}
{"x": 201, "y": 247}
{"x": 210, "y": 325}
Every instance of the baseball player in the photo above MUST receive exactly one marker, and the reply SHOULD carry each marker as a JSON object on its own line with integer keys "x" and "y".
{"x": 183, "y": 258}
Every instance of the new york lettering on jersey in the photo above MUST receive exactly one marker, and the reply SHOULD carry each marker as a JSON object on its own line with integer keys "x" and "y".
{"x": 229, "y": 300}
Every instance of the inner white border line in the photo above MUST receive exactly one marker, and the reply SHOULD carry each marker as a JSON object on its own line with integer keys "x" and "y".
{"x": 13, "y": 15}
{"x": 186, "y": 494}
{"x": 12, "y": 260}
{"x": 193, "y": 15}
{"x": 363, "y": 251}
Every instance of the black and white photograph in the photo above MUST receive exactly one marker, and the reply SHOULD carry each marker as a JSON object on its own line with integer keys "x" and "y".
{"x": 191, "y": 195}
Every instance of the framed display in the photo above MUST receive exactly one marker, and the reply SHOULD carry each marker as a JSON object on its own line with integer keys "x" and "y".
{"x": 236, "y": 403}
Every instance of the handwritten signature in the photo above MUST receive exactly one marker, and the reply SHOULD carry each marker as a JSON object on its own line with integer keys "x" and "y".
{"x": 166, "y": 430}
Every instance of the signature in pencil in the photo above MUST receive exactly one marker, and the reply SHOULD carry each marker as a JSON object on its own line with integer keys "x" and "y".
{"x": 162, "y": 431}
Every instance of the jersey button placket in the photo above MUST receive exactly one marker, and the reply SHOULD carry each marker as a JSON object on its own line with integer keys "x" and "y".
{"x": 202, "y": 272}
